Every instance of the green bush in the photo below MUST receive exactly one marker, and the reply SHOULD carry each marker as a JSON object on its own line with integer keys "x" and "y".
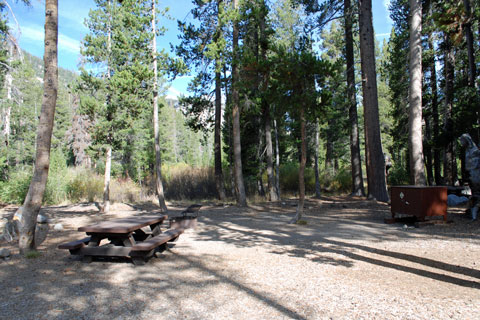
{"x": 398, "y": 176}
{"x": 56, "y": 191}
{"x": 289, "y": 178}
{"x": 15, "y": 189}
{"x": 340, "y": 182}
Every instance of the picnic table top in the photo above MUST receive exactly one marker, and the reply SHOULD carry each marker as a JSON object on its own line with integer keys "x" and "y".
{"x": 123, "y": 225}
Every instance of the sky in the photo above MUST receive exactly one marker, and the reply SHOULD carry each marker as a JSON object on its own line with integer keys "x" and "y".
{"x": 27, "y": 25}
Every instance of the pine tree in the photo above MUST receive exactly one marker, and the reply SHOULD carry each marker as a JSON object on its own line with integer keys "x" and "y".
{"x": 33, "y": 200}
{"x": 203, "y": 48}
{"x": 415, "y": 96}
{"x": 373, "y": 144}
{"x": 124, "y": 73}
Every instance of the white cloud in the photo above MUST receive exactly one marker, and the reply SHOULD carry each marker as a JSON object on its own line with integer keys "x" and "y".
{"x": 381, "y": 35}
{"x": 36, "y": 34}
{"x": 386, "y": 3}
{"x": 173, "y": 93}
{"x": 68, "y": 44}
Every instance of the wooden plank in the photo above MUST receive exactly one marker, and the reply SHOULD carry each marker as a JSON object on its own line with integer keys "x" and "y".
{"x": 124, "y": 225}
{"x": 154, "y": 242}
{"x": 74, "y": 244}
{"x": 106, "y": 251}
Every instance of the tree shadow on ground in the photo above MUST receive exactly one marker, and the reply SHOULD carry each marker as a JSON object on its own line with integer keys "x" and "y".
{"x": 325, "y": 233}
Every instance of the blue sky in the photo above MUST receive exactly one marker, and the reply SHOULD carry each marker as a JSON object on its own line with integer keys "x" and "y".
{"x": 72, "y": 14}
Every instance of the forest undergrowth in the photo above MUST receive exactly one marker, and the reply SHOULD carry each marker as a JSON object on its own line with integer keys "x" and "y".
{"x": 182, "y": 182}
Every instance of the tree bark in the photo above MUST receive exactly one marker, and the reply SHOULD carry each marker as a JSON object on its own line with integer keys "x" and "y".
{"x": 449, "y": 165}
{"x": 355, "y": 159}
{"x": 301, "y": 169}
{"x": 106, "y": 189}
{"x": 105, "y": 208}
{"x": 8, "y": 89}
{"x": 435, "y": 115}
{"x": 33, "y": 200}
{"x": 272, "y": 194}
{"x": 268, "y": 141}
{"x": 158, "y": 157}
{"x": 259, "y": 157}
{"x": 218, "y": 118}
{"x": 237, "y": 147}
{"x": 277, "y": 161}
{"x": 417, "y": 170}
{"x": 317, "y": 177}
{"x": 329, "y": 166}
{"x": 374, "y": 154}
{"x": 472, "y": 70}
{"x": 218, "y": 139}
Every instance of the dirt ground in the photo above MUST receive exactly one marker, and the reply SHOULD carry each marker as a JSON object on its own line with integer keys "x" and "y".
{"x": 249, "y": 263}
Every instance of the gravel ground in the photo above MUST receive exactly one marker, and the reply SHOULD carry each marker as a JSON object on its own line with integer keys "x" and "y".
{"x": 345, "y": 263}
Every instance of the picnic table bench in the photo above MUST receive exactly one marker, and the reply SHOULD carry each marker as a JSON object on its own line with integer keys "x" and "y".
{"x": 135, "y": 237}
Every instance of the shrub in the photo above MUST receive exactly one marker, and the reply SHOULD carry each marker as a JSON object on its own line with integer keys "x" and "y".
{"x": 289, "y": 178}
{"x": 341, "y": 181}
{"x": 15, "y": 189}
{"x": 124, "y": 190}
{"x": 182, "y": 181}
{"x": 398, "y": 175}
{"x": 85, "y": 184}
{"x": 56, "y": 191}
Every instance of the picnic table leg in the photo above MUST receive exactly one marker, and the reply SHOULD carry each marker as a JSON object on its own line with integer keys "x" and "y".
{"x": 129, "y": 241}
{"x": 156, "y": 230}
{"x": 138, "y": 261}
{"x": 94, "y": 242}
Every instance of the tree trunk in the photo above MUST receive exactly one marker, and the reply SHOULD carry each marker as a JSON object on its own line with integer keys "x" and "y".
{"x": 301, "y": 169}
{"x": 272, "y": 194}
{"x": 105, "y": 208}
{"x": 355, "y": 159}
{"x": 237, "y": 147}
{"x": 33, "y": 200}
{"x": 218, "y": 138}
{"x": 259, "y": 157}
{"x": 428, "y": 152}
{"x": 435, "y": 116}
{"x": 268, "y": 141}
{"x": 158, "y": 159}
{"x": 472, "y": 72}
{"x": 417, "y": 170}
{"x": 317, "y": 143}
{"x": 449, "y": 156}
{"x": 8, "y": 89}
{"x": 106, "y": 189}
{"x": 277, "y": 161}
{"x": 329, "y": 167}
{"x": 218, "y": 119}
{"x": 374, "y": 154}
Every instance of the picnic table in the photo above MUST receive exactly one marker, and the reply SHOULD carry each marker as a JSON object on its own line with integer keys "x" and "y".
{"x": 137, "y": 237}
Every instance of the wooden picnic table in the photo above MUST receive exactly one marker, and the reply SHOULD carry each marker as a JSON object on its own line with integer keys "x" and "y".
{"x": 135, "y": 237}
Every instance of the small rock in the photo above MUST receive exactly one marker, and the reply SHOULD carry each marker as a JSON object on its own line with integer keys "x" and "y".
{"x": 58, "y": 227}
{"x": 10, "y": 231}
{"x": 41, "y": 231}
{"x": 42, "y": 219}
{"x": 3, "y": 222}
{"x": 4, "y": 253}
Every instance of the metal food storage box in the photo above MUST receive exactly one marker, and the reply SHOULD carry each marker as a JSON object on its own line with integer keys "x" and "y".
{"x": 419, "y": 201}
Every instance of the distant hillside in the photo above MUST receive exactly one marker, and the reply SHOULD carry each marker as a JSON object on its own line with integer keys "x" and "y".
{"x": 64, "y": 75}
